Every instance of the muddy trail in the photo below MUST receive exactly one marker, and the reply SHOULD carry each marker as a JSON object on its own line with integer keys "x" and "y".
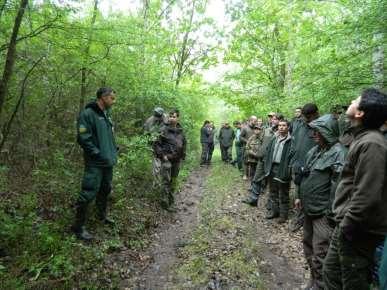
{"x": 213, "y": 241}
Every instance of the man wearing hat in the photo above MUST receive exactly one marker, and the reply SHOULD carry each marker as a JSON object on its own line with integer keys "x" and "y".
{"x": 152, "y": 127}
{"x": 154, "y": 122}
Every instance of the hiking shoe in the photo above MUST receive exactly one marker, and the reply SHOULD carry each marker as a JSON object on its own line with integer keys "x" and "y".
{"x": 250, "y": 202}
{"x": 271, "y": 215}
{"x": 108, "y": 221}
{"x": 82, "y": 234}
{"x": 296, "y": 223}
{"x": 281, "y": 220}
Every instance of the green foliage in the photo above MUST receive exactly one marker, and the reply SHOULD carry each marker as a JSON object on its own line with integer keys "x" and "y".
{"x": 41, "y": 164}
{"x": 292, "y": 52}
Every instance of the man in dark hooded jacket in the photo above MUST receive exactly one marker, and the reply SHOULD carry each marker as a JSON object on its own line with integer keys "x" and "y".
{"x": 226, "y": 138}
{"x": 95, "y": 136}
{"x": 319, "y": 175}
{"x": 170, "y": 147}
{"x": 301, "y": 143}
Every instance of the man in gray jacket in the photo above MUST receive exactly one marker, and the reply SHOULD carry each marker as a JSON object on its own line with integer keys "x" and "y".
{"x": 361, "y": 197}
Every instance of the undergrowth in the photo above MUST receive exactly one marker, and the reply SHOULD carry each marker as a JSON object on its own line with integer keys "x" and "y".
{"x": 37, "y": 249}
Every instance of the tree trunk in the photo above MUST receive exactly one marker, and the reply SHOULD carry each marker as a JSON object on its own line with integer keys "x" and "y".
{"x": 184, "y": 52}
{"x": 7, "y": 126}
{"x": 378, "y": 61}
{"x": 2, "y": 7}
{"x": 10, "y": 58}
{"x": 86, "y": 56}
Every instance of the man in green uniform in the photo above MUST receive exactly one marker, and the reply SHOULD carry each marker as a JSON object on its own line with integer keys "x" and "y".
{"x": 95, "y": 136}
{"x": 170, "y": 148}
{"x": 360, "y": 201}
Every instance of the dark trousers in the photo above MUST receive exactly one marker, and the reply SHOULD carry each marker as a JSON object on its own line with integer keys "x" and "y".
{"x": 316, "y": 237}
{"x": 205, "y": 153}
{"x": 225, "y": 152}
{"x": 250, "y": 169}
{"x": 96, "y": 183}
{"x": 211, "y": 148}
{"x": 348, "y": 264}
{"x": 279, "y": 194}
{"x": 239, "y": 157}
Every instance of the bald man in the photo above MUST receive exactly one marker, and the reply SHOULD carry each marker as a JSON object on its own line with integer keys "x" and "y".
{"x": 246, "y": 133}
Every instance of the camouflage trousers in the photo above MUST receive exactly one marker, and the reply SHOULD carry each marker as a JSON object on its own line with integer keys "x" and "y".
{"x": 316, "y": 237}
{"x": 165, "y": 176}
{"x": 348, "y": 264}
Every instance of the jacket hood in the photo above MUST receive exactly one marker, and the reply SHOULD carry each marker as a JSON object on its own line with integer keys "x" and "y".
{"x": 328, "y": 127}
{"x": 94, "y": 106}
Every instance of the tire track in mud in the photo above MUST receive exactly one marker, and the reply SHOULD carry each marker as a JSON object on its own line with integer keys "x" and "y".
{"x": 159, "y": 274}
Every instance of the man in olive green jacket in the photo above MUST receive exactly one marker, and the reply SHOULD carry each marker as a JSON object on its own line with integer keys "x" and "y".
{"x": 323, "y": 165}
{"x": 278, "y": 172}
{"x": 95, "y": 136}
{"x": 361, "y": 197}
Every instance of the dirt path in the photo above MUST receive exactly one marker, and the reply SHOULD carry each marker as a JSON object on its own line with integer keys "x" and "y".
{"x": 159, "y": 273}
{"x": 214, "y": 241}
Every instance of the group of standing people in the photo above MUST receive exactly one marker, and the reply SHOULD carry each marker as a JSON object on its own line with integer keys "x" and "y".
{"x": 337, "y": 165}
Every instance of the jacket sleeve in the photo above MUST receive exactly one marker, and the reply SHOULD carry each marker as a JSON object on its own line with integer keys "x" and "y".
{"x": 157, "y": 147}
{"x": 85, "y": 135}
{"x": 242, "y": 137}
{"x": 370, "y": 172}
{"x": 184, "y": 147}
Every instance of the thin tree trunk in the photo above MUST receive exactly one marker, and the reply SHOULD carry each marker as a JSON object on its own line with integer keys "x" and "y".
{"x": 7, "y": 126}
{"x": 2, "y": 7}
{"x": 378, "y": 61}
{"x": 184, "y": 53}
{"x": 86, "y": 55}
{"x": 10, "y": 58}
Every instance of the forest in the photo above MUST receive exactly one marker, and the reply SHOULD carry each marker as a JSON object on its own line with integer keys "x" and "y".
{"x": 258, "y": 56}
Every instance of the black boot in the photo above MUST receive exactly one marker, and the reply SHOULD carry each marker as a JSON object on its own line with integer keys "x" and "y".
{"x": 272, "y": 214}
{"x": 101, "y": 203}
{"x": 102, "y": 216}
{"x": 79, "y": 225}
{"x": 250, "y": 201}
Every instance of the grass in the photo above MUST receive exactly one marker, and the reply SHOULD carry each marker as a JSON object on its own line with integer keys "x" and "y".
{"x": 222, "y": 243}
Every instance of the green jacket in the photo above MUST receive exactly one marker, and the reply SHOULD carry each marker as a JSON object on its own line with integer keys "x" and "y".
{"x": 361, "y": 196}
{"x": 95, "y": 135}
{"x": 226, "y": 136}
{"x": 171, "y": 143}
{"x": 260, "y": 170}
{"x": 301, "y": 143}
{"x": 322, "y": 169}
{"x": 284, "y": 172}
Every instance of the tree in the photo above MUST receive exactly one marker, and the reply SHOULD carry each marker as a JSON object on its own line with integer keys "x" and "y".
{"x": 11, "y": 51}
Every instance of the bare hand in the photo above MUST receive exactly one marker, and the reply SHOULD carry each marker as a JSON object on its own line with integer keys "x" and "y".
{"x": 297, "y": 203}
